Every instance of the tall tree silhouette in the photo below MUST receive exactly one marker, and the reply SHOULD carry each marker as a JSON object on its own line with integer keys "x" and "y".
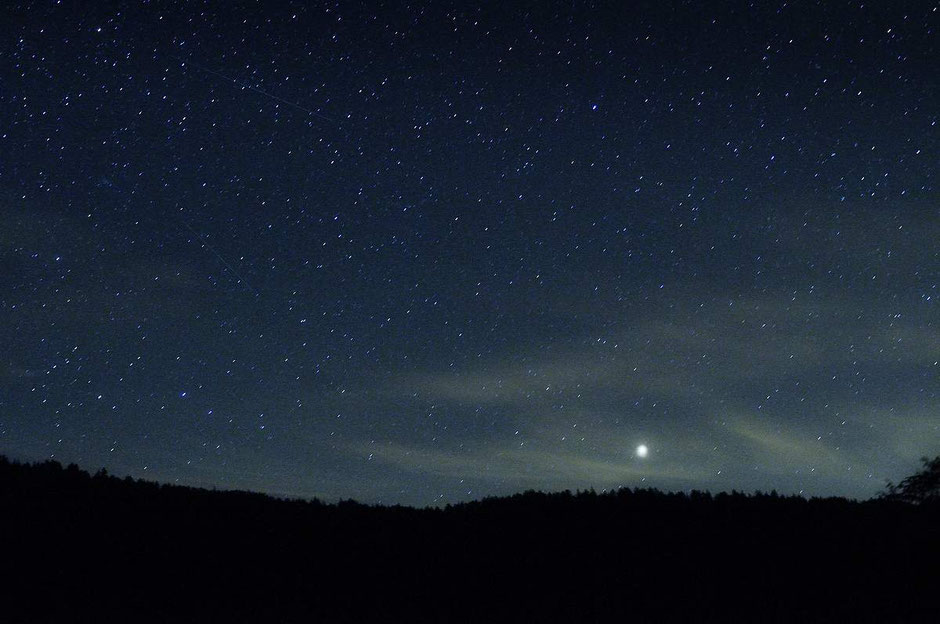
{"x": 921, "y": 487}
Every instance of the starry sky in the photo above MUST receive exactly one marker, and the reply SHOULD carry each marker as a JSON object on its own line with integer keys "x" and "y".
{"x": 422, "y": 253}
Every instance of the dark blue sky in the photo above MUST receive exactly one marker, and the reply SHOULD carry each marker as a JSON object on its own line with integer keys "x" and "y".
{"x": 423, "y": 253}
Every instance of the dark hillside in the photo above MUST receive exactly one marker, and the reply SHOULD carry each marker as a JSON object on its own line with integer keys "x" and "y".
{"x": 96, "y": 548}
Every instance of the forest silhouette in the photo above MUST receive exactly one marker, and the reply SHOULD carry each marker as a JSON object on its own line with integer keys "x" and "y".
{"x": 80, "y": 547}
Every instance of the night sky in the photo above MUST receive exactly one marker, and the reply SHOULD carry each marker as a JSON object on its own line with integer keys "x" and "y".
{"x": 423, "y": 253}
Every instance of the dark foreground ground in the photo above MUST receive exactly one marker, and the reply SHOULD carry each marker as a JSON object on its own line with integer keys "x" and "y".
{"x": 76, "y": 548}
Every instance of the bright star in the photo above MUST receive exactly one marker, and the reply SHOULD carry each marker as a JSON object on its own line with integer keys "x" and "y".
{"x": 642, "y": 451}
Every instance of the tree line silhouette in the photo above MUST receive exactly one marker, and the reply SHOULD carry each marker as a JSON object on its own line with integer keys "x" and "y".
{"x": 81, "y": 547}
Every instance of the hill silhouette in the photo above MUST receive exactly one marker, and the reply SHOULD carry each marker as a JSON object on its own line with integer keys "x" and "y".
{"x": 78, "y": 547}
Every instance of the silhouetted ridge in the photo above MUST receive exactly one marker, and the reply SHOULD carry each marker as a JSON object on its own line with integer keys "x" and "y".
{"x": 81, "y": 546}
